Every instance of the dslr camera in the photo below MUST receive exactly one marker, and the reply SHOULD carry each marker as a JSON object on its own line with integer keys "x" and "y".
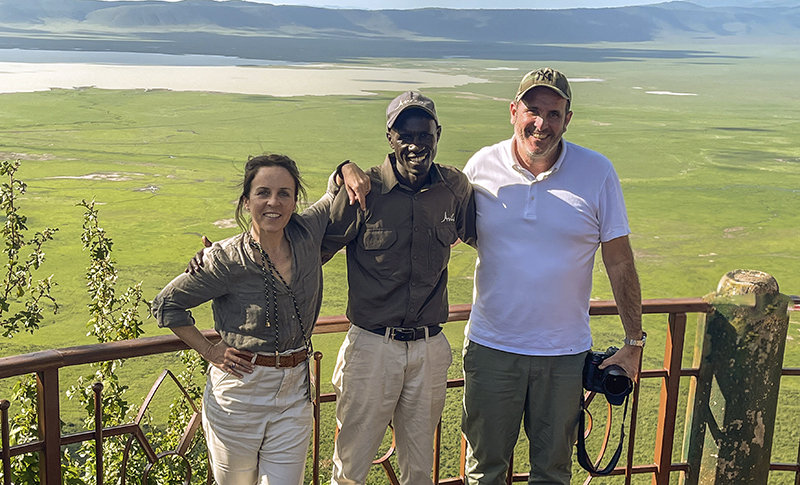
{"x": 612, "y": 381}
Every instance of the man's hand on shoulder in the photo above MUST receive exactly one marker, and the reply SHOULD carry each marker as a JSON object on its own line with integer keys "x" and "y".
{"x": 196, "y": 263}
{"x": 357, "y": 184}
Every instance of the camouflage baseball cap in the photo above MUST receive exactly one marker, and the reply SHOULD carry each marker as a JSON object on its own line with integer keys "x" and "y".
{"x": 547, "y": 77}
{"x": 409, "y": 99}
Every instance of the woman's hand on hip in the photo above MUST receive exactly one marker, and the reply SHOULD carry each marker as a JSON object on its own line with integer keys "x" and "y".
{"x": 230, "y": 360}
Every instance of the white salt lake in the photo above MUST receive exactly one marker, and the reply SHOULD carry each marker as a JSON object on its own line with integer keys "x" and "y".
{"x": 30, "y": 71}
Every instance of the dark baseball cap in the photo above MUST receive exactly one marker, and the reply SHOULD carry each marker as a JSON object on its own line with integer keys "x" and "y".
{"x": 546, "y": 77}
{"x": 409, "y": 99}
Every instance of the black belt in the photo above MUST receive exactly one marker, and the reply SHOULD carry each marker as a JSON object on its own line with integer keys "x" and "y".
{"x": 405, "y": 334}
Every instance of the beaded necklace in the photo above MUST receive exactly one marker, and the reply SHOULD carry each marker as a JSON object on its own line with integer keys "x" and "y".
{"x": 271, "y": 293}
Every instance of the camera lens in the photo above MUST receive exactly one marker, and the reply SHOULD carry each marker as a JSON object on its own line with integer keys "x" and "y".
{"x": 616, "y": 385}
{"x": 616, "y": 382}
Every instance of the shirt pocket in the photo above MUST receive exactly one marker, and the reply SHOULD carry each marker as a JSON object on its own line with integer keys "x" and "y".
{"x": 378, "y": 245}
{"x": 446, "y": 235}
{"x": 439, "y": 254}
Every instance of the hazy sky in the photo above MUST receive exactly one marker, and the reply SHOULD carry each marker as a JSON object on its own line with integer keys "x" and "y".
{"x": 469, "y": 4}
{"x": 402, "y": 4}
{"x": 381, "y": 4}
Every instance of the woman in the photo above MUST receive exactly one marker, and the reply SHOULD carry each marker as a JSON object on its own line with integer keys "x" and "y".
{"x": 266, "y": 287}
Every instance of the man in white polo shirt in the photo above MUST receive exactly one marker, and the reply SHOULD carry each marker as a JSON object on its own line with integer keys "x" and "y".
{"x": 544, "y": 206}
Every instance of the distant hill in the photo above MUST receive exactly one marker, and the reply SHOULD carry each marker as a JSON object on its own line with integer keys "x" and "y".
{"x": 265, "y": 31}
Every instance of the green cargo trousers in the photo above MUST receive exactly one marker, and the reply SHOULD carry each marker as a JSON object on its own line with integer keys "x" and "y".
{"x": 501, "y": 390}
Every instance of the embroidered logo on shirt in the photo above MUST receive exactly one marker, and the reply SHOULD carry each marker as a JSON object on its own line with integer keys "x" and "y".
{"x": 450, "y": 218}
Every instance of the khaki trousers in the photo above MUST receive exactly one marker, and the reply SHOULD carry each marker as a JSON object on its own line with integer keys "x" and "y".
{"x": 378, "y": 380}
{"x": 257, "y": 428}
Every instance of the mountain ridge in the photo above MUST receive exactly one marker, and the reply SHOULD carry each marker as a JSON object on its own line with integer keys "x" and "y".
{"x": 211, "y": 27}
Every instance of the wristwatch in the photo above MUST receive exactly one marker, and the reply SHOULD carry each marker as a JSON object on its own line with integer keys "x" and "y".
{"x": 634, "y": 342}
{"x": 339, "y": 169}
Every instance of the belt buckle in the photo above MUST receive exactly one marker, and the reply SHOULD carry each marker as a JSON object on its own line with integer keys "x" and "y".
{"x": 403, "y": 334}
{"x": 277, "y": 360}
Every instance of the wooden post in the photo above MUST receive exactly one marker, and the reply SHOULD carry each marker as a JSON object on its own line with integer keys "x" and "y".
{"x": 739, "y": 353}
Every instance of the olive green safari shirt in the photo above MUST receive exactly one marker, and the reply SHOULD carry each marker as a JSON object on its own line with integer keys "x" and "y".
{"x": 398, "y": 249}
{"x": 234, "y": 282}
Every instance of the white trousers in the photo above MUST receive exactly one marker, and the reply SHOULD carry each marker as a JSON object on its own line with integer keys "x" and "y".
{"x": 257, "y": 428}
{"x": 378, "y": 380}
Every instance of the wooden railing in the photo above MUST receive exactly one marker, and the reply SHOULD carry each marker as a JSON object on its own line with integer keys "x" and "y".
{"x": 46, "y": 366}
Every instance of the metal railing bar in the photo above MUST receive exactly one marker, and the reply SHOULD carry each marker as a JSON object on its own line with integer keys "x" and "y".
{"x": 451, "y": 383}
{"x": 31, "y": 447}
{"x": 331, "y": 325}
{"x": 668, "y": 403}
{"x": 109, "y": 432}
{"x": 97, "y": 387}
{"x": 384, "y": 460}
{"x": 632, "y": 431}
{"x": 137, "y": 434}
{"x": 653, "y": 373}
{"x": 797, "y": 472}
{"x": 18, "y": 365}
{"x": 462, "y": 461}
{"x": 437, "y": 446}
{"x": 317, "y": 412}
{"x": 452, "y": 481}
{"x": 125, "y": 349}
{"x": 153, "y": 389}
{"x": 46, "y": 364}
{"x": 41, "y": 361}
{"x": 635, "y": 470}
{"x": 5, "y": 443}
{"x": 87, "y": 354}
{"x": 660, "y": 305}
{"x": 191, "y": 429}
{"x": 645, "y": 374}
{"x": 49, "y": 425}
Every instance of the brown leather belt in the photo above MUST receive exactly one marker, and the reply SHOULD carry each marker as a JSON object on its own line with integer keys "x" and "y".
{"x": 288, "y": 360}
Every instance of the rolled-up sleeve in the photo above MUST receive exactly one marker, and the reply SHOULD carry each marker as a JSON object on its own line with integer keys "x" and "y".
{"x": 343, "y": 225}
{"x": 171, "y": 306}
{"x": 317, "y": 216}
{"x": 467, "y": 230}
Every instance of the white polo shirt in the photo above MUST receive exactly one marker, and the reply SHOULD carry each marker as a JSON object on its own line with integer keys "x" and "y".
{"x": 537, "y": 237}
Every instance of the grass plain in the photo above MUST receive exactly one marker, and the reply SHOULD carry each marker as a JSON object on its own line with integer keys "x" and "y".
{"x": 711, "y": 180}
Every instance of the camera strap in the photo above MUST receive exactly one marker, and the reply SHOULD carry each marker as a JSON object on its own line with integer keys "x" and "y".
{"x": 583, "y": 456}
